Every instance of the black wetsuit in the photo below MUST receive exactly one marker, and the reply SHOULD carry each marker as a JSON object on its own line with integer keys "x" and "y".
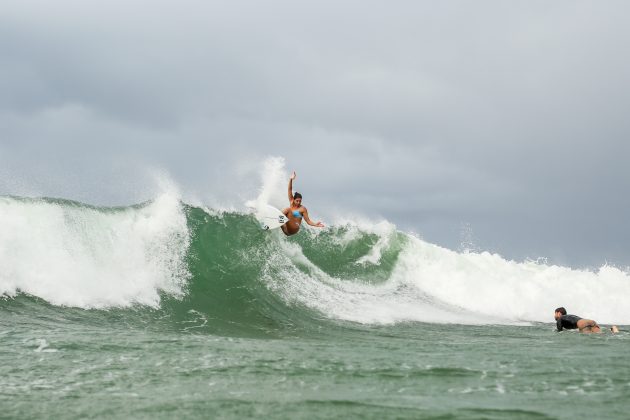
{"x": 568, "y": 322}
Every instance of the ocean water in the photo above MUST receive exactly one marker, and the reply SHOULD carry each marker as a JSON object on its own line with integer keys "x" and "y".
{"x": 167, "y": 310}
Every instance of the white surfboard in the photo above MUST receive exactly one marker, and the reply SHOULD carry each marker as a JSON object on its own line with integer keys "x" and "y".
{"x": 270, "y": 217}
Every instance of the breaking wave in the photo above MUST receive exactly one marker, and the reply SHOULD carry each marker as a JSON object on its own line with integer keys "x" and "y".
{"x": 166, "y": 255}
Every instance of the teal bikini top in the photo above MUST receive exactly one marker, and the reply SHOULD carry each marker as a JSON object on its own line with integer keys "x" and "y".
{"x": 296, "y": 213}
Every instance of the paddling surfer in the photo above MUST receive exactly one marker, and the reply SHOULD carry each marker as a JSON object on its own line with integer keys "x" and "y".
{"x": 296, "y": 212}
{"x": 572, "y": 322}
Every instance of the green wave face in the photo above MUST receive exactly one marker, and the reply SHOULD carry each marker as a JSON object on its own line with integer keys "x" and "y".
{"x": 238, "y": 272}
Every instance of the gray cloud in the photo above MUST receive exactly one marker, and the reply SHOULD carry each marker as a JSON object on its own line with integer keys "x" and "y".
{"x": 509, "y": 117}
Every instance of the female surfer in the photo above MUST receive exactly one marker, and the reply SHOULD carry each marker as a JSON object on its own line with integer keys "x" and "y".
{"x": 296, "y": 212}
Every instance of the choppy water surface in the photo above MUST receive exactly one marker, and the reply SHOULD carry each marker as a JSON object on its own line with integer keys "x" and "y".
{"x": 73, "y": 365}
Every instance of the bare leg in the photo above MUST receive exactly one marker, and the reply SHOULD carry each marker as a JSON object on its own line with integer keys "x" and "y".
{"x": 284, "y": 227}
{"x": 588, "y": 326}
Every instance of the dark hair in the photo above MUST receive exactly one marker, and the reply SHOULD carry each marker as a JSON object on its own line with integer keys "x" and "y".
{"x": 297, "y": 195}
{"x": 561, "y": 310}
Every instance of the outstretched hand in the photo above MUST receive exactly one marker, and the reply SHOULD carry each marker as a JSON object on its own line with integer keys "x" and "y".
{"x": 293, "y": 175}
{"x": 319, "y": 224}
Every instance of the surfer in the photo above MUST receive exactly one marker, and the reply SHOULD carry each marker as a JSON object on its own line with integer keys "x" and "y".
{"x": 572, "y": 322}
{"x": 296, "y": 212}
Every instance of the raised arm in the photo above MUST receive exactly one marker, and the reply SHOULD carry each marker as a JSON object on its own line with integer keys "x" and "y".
{"x": 291, "y": 187}
{"x": 309, "y": 221}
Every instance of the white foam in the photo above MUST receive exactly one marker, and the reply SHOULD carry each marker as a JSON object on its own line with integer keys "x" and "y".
{"x": 292, "y": 276}
{"x": 433, "y": 284}
{"x": 351, "y": 229}
{"x": 78, "y": 256}
{"x": 488, "y": 284}
{"x": 385, "y": 232}
{"x": 43, "y": 346}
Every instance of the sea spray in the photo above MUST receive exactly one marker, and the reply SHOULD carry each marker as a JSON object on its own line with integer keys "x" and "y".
{"x": 488, "y": 284}
{"x": 76, "y": 255}
{"x": 273, "y": 187}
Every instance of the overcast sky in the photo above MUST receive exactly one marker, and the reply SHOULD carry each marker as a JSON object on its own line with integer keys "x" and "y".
{"x": 504, "y": 119}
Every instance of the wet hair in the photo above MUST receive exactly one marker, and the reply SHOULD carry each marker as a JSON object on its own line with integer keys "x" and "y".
{"x": 561, "y": 310}
{"x": 297, "y": 195}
